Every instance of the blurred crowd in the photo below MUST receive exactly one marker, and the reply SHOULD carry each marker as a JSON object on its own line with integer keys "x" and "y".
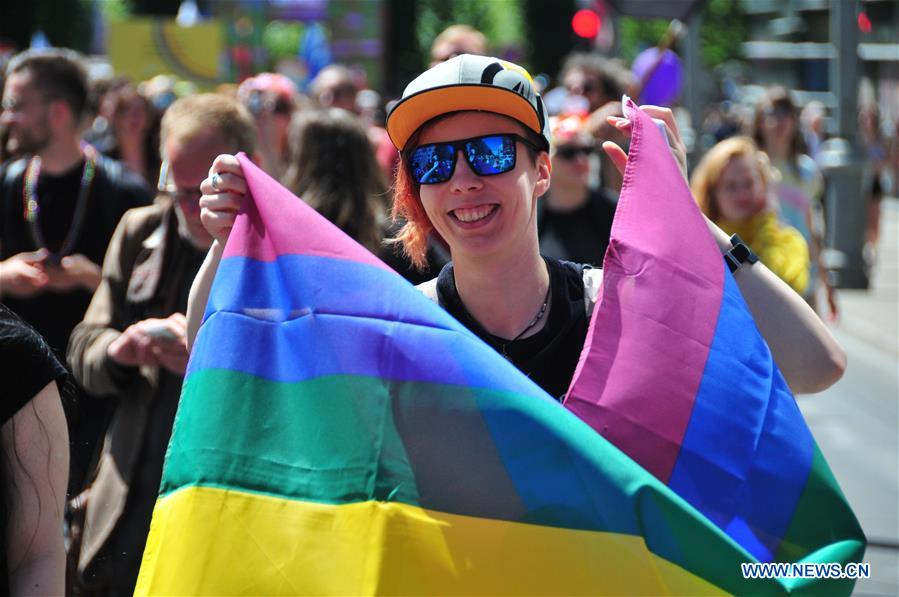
{"x": 100, "y": 239}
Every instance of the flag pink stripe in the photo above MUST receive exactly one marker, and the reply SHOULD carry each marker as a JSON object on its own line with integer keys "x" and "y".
{"x": 652, "y": 330}
{"x": 281, "y": 234}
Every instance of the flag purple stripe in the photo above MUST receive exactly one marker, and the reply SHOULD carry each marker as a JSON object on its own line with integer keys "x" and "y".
{"x": 277, "y": 296}
{"x": 278, "y": 235}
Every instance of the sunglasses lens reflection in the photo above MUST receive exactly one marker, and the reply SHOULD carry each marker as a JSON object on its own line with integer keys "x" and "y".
{"x": 491, "y": 155}
{"x": 432, "y": 164}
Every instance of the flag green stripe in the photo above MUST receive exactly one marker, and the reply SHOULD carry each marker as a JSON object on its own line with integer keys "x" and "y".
{"x": 312, "y": 440}
{"x": 822, "y": 499}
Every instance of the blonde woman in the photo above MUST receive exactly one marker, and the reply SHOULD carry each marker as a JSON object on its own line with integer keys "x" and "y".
{"x": 731, "y": 186}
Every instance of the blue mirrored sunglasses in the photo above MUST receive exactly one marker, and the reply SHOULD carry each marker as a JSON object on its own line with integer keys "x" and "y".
{"x": 486, "y": 156}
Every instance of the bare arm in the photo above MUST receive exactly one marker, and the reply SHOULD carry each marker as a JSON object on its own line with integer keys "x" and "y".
{"x": 199, "y": 291}
{"x": 219, "y": 206}
{"x": 808, "y": 355}
{"x": 37, "y": 445}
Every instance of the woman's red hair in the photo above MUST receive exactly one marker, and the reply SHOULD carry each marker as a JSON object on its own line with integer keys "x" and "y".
{"x": 407, "y": 207}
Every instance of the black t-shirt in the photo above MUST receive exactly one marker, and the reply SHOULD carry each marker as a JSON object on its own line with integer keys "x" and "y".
{"x": 57, "y": 198}
{"x": 113, "y": 191}
{"x": 550, "y": 356}
{"x": 28, "y": 365}
{"x": 580, "y": 235}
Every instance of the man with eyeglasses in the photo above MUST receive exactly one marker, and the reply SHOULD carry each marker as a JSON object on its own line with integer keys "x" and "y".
{"x": 61, "y": 202}
{"x": 59, "y": 205}
{"x": 131, "y": 344}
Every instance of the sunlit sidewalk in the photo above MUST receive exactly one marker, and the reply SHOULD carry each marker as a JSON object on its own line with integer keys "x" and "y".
{"x": 873, "y": 315}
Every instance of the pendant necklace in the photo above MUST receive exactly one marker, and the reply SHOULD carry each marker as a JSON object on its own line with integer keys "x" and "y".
{"x": 534, "y": 321}
{"x": 32, "y": 207}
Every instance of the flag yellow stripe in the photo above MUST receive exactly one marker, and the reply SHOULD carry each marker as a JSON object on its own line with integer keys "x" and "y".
{"x": 211, "y": 541}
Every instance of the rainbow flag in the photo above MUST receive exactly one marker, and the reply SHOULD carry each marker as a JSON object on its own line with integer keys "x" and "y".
{"x": 340, "y": 434}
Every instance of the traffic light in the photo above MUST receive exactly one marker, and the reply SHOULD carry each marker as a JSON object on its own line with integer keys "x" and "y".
{"x": 586, "y": 23}
{"x": 864, "y": 23}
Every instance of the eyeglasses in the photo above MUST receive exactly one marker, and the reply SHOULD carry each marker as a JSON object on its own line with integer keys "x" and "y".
{"x": 572, "y": 152}
{"x": 778, "y": 112}
{"x": 486, "y": 156}
{"x": 169, "y": 188}
{"x": 16, "y": 106}
{"x": 259, "y": 103}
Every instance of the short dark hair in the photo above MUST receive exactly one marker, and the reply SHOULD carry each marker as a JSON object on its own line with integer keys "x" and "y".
{"x": 58, "y": 73}
{"x": 777, "y": 98}
{"x": 614, "y": 78}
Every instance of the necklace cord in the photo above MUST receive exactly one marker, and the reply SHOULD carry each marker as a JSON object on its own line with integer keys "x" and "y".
{"x": 32, "y": 208}
{"x": 534, "y": 321}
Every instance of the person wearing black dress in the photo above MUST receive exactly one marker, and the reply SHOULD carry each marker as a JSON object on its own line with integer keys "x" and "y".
{"x": 34, "y": 464}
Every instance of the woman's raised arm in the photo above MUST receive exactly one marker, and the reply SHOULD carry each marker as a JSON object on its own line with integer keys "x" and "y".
{"x": 808, "y": 355}
{"x": 223, "y": 192}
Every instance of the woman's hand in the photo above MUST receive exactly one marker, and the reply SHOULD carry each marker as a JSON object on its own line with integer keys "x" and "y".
{"x": 223, "y": 192}
{"x": 663, "y": 115}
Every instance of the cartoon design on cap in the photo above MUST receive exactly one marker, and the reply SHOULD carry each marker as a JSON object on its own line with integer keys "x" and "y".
{"x": 509, "y": 75}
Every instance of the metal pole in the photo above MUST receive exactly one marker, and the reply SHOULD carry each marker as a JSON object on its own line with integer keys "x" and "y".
{"x": 841, "y": 158}
{"x": 844, "y": 70}
{"x": 694, "y": 92}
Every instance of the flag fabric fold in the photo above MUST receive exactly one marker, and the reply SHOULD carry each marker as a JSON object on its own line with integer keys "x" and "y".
{"x": 692, "y": 392}
{"x": 339, "y": 433}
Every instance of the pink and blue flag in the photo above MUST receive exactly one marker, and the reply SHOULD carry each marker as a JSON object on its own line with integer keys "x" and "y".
{"x": 676, "y": 374}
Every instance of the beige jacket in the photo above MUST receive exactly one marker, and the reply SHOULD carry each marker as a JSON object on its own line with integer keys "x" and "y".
{"x": 147, "y": 272}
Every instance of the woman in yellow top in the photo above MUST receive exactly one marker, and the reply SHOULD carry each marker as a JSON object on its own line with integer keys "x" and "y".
{"x": 731, "y": 186}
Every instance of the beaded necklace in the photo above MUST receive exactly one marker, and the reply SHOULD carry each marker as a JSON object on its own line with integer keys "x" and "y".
{"x": 32, "y": 207}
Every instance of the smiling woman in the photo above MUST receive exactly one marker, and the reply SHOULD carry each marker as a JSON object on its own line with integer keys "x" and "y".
{"x": 473, "y": 136}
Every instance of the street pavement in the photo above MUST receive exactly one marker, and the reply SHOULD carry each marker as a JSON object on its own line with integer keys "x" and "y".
{"x": 856, "y": 421}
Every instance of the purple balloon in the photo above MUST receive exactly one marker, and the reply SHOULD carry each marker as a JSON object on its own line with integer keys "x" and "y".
{"x": 664, "y": 84}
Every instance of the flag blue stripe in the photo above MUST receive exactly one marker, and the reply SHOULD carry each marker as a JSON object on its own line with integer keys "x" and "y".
{"x": 293, "y": 285}
{"x": 747, "y": 453}
{"x": 317, "y": 345}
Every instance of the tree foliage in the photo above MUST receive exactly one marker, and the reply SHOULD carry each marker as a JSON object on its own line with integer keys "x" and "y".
{"x": 499, "y": 20}
{"x": 721, "y": 35}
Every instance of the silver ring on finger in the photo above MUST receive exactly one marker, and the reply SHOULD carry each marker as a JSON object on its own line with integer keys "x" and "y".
{"x": 216, "y": 179}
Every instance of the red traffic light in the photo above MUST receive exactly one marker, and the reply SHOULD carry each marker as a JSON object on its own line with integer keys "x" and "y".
{"x": 586, "y": 23}
{"x": 864, "y": 23}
